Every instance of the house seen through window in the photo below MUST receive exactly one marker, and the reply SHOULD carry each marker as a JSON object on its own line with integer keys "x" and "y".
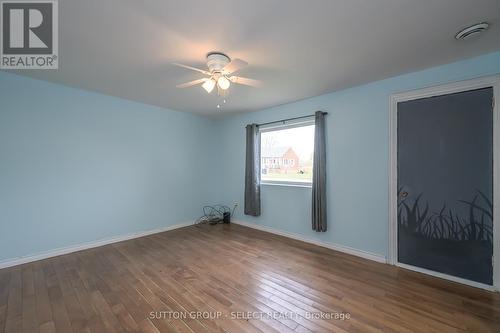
{"x": 287, "y": 154}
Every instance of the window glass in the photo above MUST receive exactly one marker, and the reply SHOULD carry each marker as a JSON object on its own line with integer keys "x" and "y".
{"x": 287, "y": 154}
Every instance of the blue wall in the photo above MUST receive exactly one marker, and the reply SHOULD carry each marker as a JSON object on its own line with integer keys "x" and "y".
{"x": 77, "y": 166}
{"x": 357, "y": 157}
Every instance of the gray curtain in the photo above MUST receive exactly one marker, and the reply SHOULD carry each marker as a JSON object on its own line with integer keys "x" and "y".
{"x": 319, "y": 174}
{"x": 252, "y": 171}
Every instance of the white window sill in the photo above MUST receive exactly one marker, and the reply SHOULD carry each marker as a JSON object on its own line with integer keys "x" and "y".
{"x": 286, "y": 184}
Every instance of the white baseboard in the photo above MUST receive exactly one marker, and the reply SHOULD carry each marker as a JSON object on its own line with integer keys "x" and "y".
{"x": 448, "y": 277}
{"x": 332, "y": 246}
{"x": 84, "y": 246}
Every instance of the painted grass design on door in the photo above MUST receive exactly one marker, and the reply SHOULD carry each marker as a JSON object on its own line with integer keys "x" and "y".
{"x": 445, "y": 184}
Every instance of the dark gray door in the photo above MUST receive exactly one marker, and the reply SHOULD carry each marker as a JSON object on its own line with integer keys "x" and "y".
{"x": 445, "y": 184}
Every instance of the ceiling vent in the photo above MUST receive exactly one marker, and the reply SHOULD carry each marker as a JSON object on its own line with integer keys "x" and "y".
{"x": 473, "y": 30}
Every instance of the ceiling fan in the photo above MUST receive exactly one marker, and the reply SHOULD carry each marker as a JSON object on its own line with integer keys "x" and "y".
{"x": 220, "y": 70}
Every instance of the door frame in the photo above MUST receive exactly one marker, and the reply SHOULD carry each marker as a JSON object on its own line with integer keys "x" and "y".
{"x": 478, "y": 83}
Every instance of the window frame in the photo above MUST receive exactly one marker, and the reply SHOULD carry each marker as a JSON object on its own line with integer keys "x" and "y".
{"x": 279, "y": 127}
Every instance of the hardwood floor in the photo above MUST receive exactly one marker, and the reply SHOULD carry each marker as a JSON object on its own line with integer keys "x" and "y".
{"x": 173, "y": 281}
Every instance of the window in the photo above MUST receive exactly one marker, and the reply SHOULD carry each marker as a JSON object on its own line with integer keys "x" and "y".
{"x": 287, "y": 153}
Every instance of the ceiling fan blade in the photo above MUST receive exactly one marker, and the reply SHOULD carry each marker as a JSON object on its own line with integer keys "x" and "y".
{"x": 234, "y": 65}
{"x": 191, "y": 83}
{"x": 192, "y": 68}
{"x": 245, "y": 81}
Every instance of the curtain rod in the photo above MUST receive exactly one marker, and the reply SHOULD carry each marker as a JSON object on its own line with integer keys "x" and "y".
{"x": 289, "y": 119}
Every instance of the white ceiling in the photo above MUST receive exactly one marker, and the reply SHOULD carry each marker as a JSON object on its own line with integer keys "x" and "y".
{"x": 297, "y": 48}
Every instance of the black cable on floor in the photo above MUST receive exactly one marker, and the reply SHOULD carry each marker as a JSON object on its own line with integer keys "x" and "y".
{"x": 215, "y": 214}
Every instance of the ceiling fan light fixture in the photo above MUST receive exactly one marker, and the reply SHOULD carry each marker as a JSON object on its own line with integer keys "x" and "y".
{"x": 220, "y": 73}
{"x": 209, "y": 85}
{"x": 223, "y": 82}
